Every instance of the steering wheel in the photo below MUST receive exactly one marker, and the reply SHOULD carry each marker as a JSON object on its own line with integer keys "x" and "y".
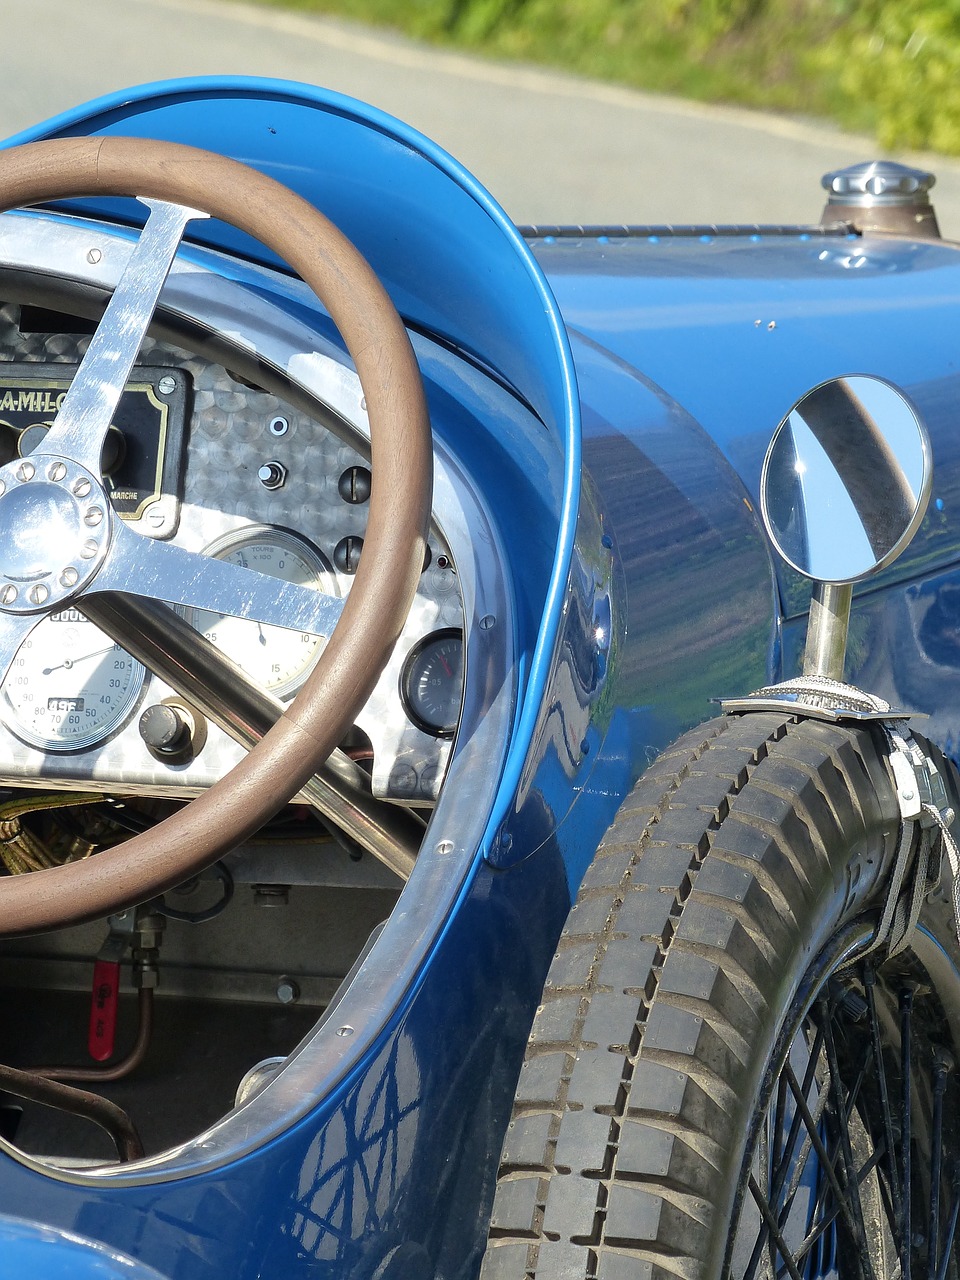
{"x": 59, "y": 537}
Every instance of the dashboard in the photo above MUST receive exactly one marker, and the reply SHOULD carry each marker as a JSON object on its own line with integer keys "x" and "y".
{"x": 208, "y": 459}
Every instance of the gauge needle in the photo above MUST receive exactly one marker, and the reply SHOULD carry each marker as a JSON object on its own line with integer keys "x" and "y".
{"x": 263, "y": 638}
{"x": 445, "y": 665}
{"x": 69, "y": 663}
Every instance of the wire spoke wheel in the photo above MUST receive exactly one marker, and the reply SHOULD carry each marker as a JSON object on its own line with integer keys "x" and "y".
{"x": 855, "y": 1166}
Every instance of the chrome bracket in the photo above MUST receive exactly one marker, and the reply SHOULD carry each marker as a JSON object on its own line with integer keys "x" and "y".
{"x": 817, "y": 698}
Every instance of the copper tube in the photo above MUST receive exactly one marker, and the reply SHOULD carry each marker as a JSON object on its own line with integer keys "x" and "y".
{"x": 50, "y": 1093}
{"x": 115, "y": 1070}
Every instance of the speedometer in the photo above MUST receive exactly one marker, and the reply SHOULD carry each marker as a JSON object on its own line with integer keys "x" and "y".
{"x": 69, "y": 685}
{"x": 276, "y": 658}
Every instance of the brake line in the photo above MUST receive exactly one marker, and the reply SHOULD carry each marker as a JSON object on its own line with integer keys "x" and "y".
{"x": 116, "y": 1070}
{"x": 50, "y": 1093}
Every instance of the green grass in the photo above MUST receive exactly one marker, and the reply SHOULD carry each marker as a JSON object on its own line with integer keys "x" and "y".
{"x": 891, "y": 67}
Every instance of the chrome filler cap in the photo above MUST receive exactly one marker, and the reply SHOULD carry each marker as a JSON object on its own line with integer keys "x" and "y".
{"x": 878, "y": 182}
{"x": 881, "y": 197}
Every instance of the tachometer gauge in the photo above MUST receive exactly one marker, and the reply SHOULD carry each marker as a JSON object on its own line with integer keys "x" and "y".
{"x": 276, "y": 658}
{"x": 69, "y": 685}
{"x": 431, "y": 685}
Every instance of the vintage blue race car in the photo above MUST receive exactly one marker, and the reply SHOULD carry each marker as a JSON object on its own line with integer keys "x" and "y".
{"x": 361, "y": 557}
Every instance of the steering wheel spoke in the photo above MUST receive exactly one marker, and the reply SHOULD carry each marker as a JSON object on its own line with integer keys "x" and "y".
{"x": 164, "y": 571}
{"x": 87, "y": 411}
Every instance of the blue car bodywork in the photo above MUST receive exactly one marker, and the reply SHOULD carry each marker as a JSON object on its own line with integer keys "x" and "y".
{"x": 609, "y": 393}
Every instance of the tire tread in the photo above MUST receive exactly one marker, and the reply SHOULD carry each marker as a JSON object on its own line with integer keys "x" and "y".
{"x": 696, "y": 890}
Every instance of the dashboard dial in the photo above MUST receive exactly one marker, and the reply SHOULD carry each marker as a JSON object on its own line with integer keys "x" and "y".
{"x": 431, "y": 684}
{"x": 69, "y": 685}
{"x": 276, "y": 658}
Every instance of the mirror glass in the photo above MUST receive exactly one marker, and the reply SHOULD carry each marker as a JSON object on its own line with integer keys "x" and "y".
{"x": 846, "y": 479}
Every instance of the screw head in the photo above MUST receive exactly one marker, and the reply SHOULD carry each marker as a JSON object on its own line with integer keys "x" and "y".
{"x": 93, "y": 517}
{"x": 69, "y": 577}
{"x": 81, "y": 487}
{"x": 288, "y": 991}
{"x": 167, "y": 385}
{"x": 8, "y": 594}
{"x": 26, "y": 471}
{"x": 38, "y": 593}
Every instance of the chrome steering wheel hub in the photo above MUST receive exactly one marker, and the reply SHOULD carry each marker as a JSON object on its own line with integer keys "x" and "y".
{"x": 55, "y": 523}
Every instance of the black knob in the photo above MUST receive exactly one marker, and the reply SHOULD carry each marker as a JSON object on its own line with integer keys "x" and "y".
{"x": 165, "y": 729}
{"x": 354, "y": 485}
{"x": 113, "y": 452}
{"x": 8, "y": 451}
{"x": 32, "y": 437}
{"x": 111, "y": 455}
{"x": 346, "y": 554}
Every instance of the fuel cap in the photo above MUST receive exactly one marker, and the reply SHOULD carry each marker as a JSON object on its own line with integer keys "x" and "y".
{"x": 878, "y": 182}
{"x": 881, "y": 196}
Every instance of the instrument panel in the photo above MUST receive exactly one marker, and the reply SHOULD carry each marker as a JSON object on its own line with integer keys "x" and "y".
{"x": 233, "y": 471}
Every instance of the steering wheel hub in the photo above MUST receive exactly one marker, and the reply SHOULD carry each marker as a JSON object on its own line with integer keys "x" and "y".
{"x": 54, "y": 532}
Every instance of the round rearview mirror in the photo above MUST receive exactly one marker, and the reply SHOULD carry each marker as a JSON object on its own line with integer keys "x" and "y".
{"x": 846, "y": 479}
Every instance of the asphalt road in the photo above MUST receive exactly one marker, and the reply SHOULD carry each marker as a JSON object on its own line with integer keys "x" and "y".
{"x": 551, "y": 148}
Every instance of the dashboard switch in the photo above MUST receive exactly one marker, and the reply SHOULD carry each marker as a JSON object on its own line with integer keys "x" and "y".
{"x": 272, "y": 475}
{"x": 354, "y": 485}
{"x": 346, "y": 554}
{"x": 170, "y": 731}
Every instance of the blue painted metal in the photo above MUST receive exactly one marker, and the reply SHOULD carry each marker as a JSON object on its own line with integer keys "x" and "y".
{"x": 659, "y": 488}
{"x": 737, "y": 330}
{"x": 33, "y": 1249}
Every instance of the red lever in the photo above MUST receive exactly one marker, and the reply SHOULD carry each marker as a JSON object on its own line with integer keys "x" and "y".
{"x": 103, "y": 1009}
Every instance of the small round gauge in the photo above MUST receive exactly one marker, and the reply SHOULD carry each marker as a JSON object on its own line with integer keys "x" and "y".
{"x": 431, "y": 684}
{"x": 276, "y": 658}
{"x": 69, "y": 685}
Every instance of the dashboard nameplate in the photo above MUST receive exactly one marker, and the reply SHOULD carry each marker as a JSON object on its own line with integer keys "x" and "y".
{"x": 145, "y": 482}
